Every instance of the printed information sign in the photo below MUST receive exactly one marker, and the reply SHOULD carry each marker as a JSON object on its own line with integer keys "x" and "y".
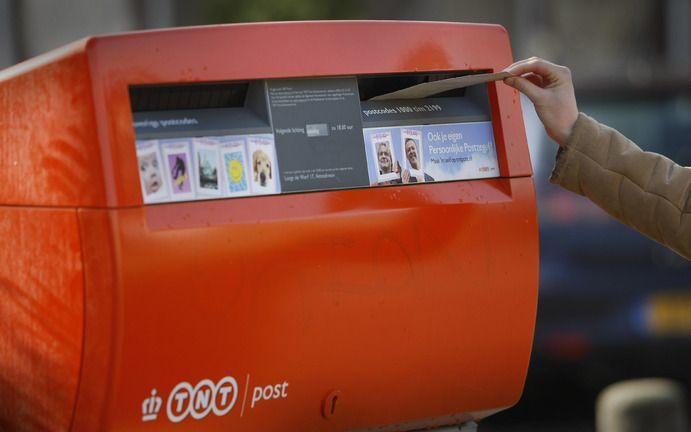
{"x": 318, "y": 128}
{"x": 442, "y": 152}
{"x": 309, "y": 136}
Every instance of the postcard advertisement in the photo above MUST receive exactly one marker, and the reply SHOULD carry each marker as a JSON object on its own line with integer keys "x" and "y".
{"x": 235, "y": 167}
{"x": 460, "y": 151}
{"x": 411, "y": 142}
{"x": 177, "y": 159}
{"x": 264, "y": 175}
{"x": 207, "y": 166}
{"x": 444, "y": 152}
{"x": 381, "y": 146}
{"x": 154, "y": 187}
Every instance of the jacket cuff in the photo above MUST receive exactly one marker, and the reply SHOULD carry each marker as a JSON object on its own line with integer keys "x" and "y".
{"x": 584, "y": 131}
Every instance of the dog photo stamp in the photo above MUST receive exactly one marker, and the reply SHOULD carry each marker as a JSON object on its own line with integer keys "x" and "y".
{"x": 235, "y": 172}
{"x": 262, "y": 153}
{"x": 153, "y": 183}
{"x": 207, "y": 166}
{"x": 177, "y": 158}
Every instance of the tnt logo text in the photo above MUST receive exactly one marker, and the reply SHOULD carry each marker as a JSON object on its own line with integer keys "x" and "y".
{"x": 202, "y": 399}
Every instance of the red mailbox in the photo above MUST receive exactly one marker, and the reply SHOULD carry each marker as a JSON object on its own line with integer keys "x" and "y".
{"x": 215, "y": 228}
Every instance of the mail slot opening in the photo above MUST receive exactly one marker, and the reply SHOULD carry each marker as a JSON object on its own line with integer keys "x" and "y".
{"x": 465, "y": 104}
{"x": 376, "y": 85}
{"x": 188, "y": 96}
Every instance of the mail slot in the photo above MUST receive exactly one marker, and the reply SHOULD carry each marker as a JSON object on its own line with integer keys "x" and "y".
{"x": 219, "y": 228}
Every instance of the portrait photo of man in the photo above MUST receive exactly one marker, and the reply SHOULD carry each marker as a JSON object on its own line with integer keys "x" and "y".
{"x": 413, "y": 172}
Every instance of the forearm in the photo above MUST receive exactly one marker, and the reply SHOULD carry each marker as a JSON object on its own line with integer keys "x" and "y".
{"x": 643, "y": 190}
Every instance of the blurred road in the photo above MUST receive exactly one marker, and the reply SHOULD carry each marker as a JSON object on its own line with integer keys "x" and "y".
{"x": 555, "y": 406}
{"x": 510, "y": 422}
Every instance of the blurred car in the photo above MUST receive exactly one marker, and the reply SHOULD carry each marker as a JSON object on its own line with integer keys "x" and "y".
{"x": 612, "y": 304}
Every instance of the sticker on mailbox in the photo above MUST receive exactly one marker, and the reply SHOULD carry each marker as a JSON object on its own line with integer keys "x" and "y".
{"x": 207, "y": 163}
{"x": 264, "y": 168}
{"x": 207, "y": 168}
{"x": 177, "y": 158}
{"x": 446, "y": 152}
{"x": 234, "y": 157}
{"x": 154, "y": 187}
{"x": 413, "y": 162}
{"x": 387, "y": 166}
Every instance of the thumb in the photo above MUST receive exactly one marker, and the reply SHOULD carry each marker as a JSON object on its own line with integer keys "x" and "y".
{"x": 524, "y": 86}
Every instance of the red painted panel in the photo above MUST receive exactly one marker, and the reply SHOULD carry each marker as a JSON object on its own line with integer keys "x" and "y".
{"x": 413, "y": 305}
{"x": 49, "y": 154}
{"x": 41, "y": 318}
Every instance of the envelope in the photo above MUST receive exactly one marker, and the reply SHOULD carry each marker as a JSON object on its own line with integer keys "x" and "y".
{"x": 423, "y": 90}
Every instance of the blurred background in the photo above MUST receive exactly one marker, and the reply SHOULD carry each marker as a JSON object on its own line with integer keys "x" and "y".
{"x": 613, "y": 305}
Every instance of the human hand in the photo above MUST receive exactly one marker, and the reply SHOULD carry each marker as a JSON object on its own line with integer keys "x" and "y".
{"x": 550, "y": 88}
{"x": 406, "y": 176}
{"x": 397, "y": 169}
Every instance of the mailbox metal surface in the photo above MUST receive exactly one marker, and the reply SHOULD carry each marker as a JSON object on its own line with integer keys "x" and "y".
{"x": 332, "y": 305}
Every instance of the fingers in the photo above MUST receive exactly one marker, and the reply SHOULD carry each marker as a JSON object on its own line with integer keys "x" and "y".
{"x": 525, "y": 86}
{"x": 536, "y": 65}
{"x": 551, "y": 74}
{"x": 533, "y": 75}
{"x": 535, "y": 79}
{"x": 526, "y": 65}
{"x": 550, "y": 88}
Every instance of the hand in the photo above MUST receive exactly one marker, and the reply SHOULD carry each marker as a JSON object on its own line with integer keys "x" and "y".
{"x": 550, "y": 88}
{"x": 406, "y": 176}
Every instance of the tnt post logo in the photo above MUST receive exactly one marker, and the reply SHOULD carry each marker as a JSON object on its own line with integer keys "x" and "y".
{"x": 151, "y": 406}
{"x": 194, "y": 401}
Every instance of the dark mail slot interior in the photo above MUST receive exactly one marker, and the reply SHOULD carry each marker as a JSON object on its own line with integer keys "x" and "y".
{"x": 188, "y": 96}
{"x": 376, "y": 85}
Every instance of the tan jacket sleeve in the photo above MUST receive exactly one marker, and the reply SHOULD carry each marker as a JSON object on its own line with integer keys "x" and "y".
{"x": 644, "y": 190}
